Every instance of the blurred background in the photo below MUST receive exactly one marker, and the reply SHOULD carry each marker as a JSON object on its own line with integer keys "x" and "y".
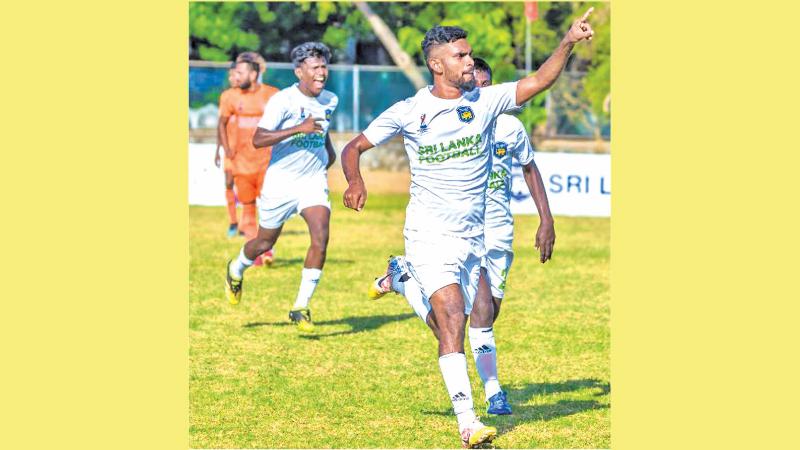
{"x": 377, "y": 61}
{"x": 514, "y": 37}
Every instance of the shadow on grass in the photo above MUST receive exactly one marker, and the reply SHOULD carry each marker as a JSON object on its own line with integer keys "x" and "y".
{"x": 357, "y": 324}
{"x": 286, "y": 262}
{"x": 524, "y": 413}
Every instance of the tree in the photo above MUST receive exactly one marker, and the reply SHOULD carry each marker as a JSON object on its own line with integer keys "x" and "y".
{"x": 219, "y": 31}
{"x": 401, "y": 58}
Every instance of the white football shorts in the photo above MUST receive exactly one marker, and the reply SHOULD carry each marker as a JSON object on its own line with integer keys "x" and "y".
{"x": 437, "y": 260}
{"x": 497, "y": 264}
{"x": 279, "y": 203}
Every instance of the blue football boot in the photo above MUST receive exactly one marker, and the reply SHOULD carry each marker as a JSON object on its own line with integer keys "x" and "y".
{"x": 498, "y": 404}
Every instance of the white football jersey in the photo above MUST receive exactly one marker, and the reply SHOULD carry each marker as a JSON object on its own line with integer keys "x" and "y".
{"x": 448, "y": 144}
{"x": 510, "y": 141}
{"x": 301, "y": 154}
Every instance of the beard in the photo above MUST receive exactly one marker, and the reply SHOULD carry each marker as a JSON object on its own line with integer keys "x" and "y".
{"x": 245, "y": 85}
{"x": 466, "y": 85}
{"x": 461, "y": 81}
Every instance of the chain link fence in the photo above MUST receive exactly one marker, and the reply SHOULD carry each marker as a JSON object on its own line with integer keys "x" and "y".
{"x": 366, "y": 91}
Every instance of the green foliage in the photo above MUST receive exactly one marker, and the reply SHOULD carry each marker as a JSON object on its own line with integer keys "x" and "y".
{"x": 596, "y": 56}
{"x": 220, "y": 28}
{"x": 534, "y": 113}
{"x": 496, "y": 32}
{"x": 596, "y": 87}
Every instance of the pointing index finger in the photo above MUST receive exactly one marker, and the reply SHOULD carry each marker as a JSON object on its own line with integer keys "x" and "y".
{"x": 585, "y": 15}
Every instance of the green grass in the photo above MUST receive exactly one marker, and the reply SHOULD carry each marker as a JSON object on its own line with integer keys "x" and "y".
{"x": 369, "y": 376}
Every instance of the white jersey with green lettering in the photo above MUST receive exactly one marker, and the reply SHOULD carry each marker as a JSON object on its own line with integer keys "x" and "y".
{"x": 301, "y": 155}
{"x": 510, "y": 141}
{"x": 448, "y": 144}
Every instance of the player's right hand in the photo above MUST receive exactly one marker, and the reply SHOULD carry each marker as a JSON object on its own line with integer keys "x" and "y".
{"x": 355, "y": 196}
{"x": 581, "y": 29}
{"x": 216, "y": 158}
{"x": 310, "y": 125}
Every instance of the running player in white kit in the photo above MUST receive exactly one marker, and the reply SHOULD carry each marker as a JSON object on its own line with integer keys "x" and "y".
{"x": 295, "y": 123}
{"x": 447, "y": 131}
{"x": 510, "y": 140}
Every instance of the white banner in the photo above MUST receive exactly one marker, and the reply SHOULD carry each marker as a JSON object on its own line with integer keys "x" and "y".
{"x": 206, "y": 181}
{"x": 577, "y": 184}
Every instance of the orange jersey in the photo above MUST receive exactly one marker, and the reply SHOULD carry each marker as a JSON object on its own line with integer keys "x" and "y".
{"x": 224, "y": 99}
{"x": 248, "y": 107}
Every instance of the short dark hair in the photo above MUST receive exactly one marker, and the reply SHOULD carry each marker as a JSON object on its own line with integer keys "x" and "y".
{"x": 441, "y": 35}
{"x": 309, "y": 50}
{"x": 483, "y": 66}
{"x": 255, "y": 57}
{"x": 252, "y": 65}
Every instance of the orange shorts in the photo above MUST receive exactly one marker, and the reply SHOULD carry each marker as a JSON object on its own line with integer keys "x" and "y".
{"x": 248, "y": 186}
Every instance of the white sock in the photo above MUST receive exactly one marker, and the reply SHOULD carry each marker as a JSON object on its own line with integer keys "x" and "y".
{"x": 239, "y": 265}
{"x": 456, "y": 379}
{"x": 308, "y": 282}
{"x": 484, "y": 351}
{"x": 405, "y": 285}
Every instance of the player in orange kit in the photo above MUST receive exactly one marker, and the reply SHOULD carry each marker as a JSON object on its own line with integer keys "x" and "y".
{"x": 230, "y": 197}
{"x": 249, "y": 164}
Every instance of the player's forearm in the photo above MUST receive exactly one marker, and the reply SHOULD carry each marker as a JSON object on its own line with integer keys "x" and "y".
{"x": 536, "y": 187}
{"x": 546, "y": 75}
{"x": 330, "y": 150}
{"x": 351, "y": 156}
{"x": 222, "y": 138}
{"x": 265, "y": 138}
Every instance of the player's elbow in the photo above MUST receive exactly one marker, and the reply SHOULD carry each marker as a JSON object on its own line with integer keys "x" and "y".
{"x": 528, "y": 168}
{"x": 529, "y": 87}
{"x": 259, "y": 140}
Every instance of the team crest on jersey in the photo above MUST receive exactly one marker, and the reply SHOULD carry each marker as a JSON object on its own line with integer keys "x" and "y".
{"x": 500, "y": 149}
{"x": 465, "y": 114}
{"x": 423, "y": 127}
{"x": 328, "y": 114}
{"x": 302, "y": 113}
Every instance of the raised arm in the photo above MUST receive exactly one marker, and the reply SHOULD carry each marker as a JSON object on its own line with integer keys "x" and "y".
{"x": 356, "y": 194}
{"x": 267, "y": 138}
{"x": 549, "y": 71}
{"x": 546, "y": 234}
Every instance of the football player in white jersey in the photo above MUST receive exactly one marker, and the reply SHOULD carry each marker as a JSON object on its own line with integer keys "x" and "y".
{"x": 295, "y": 123}
{"x": 447, "y": 132}
{"x": 510, "y": 140}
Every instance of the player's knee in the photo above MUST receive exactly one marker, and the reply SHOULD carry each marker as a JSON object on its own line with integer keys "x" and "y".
{"x": 453, "y": 316}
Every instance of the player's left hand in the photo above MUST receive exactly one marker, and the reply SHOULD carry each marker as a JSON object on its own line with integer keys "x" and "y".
{"x": 216, "y": 158}
{"x": 545, "y": 240}
{"x": 355, "y": 196}
{"x": 581, "y": 29}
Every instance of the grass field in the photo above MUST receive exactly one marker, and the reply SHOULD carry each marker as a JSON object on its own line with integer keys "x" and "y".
{"x": 369, "y": 376}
